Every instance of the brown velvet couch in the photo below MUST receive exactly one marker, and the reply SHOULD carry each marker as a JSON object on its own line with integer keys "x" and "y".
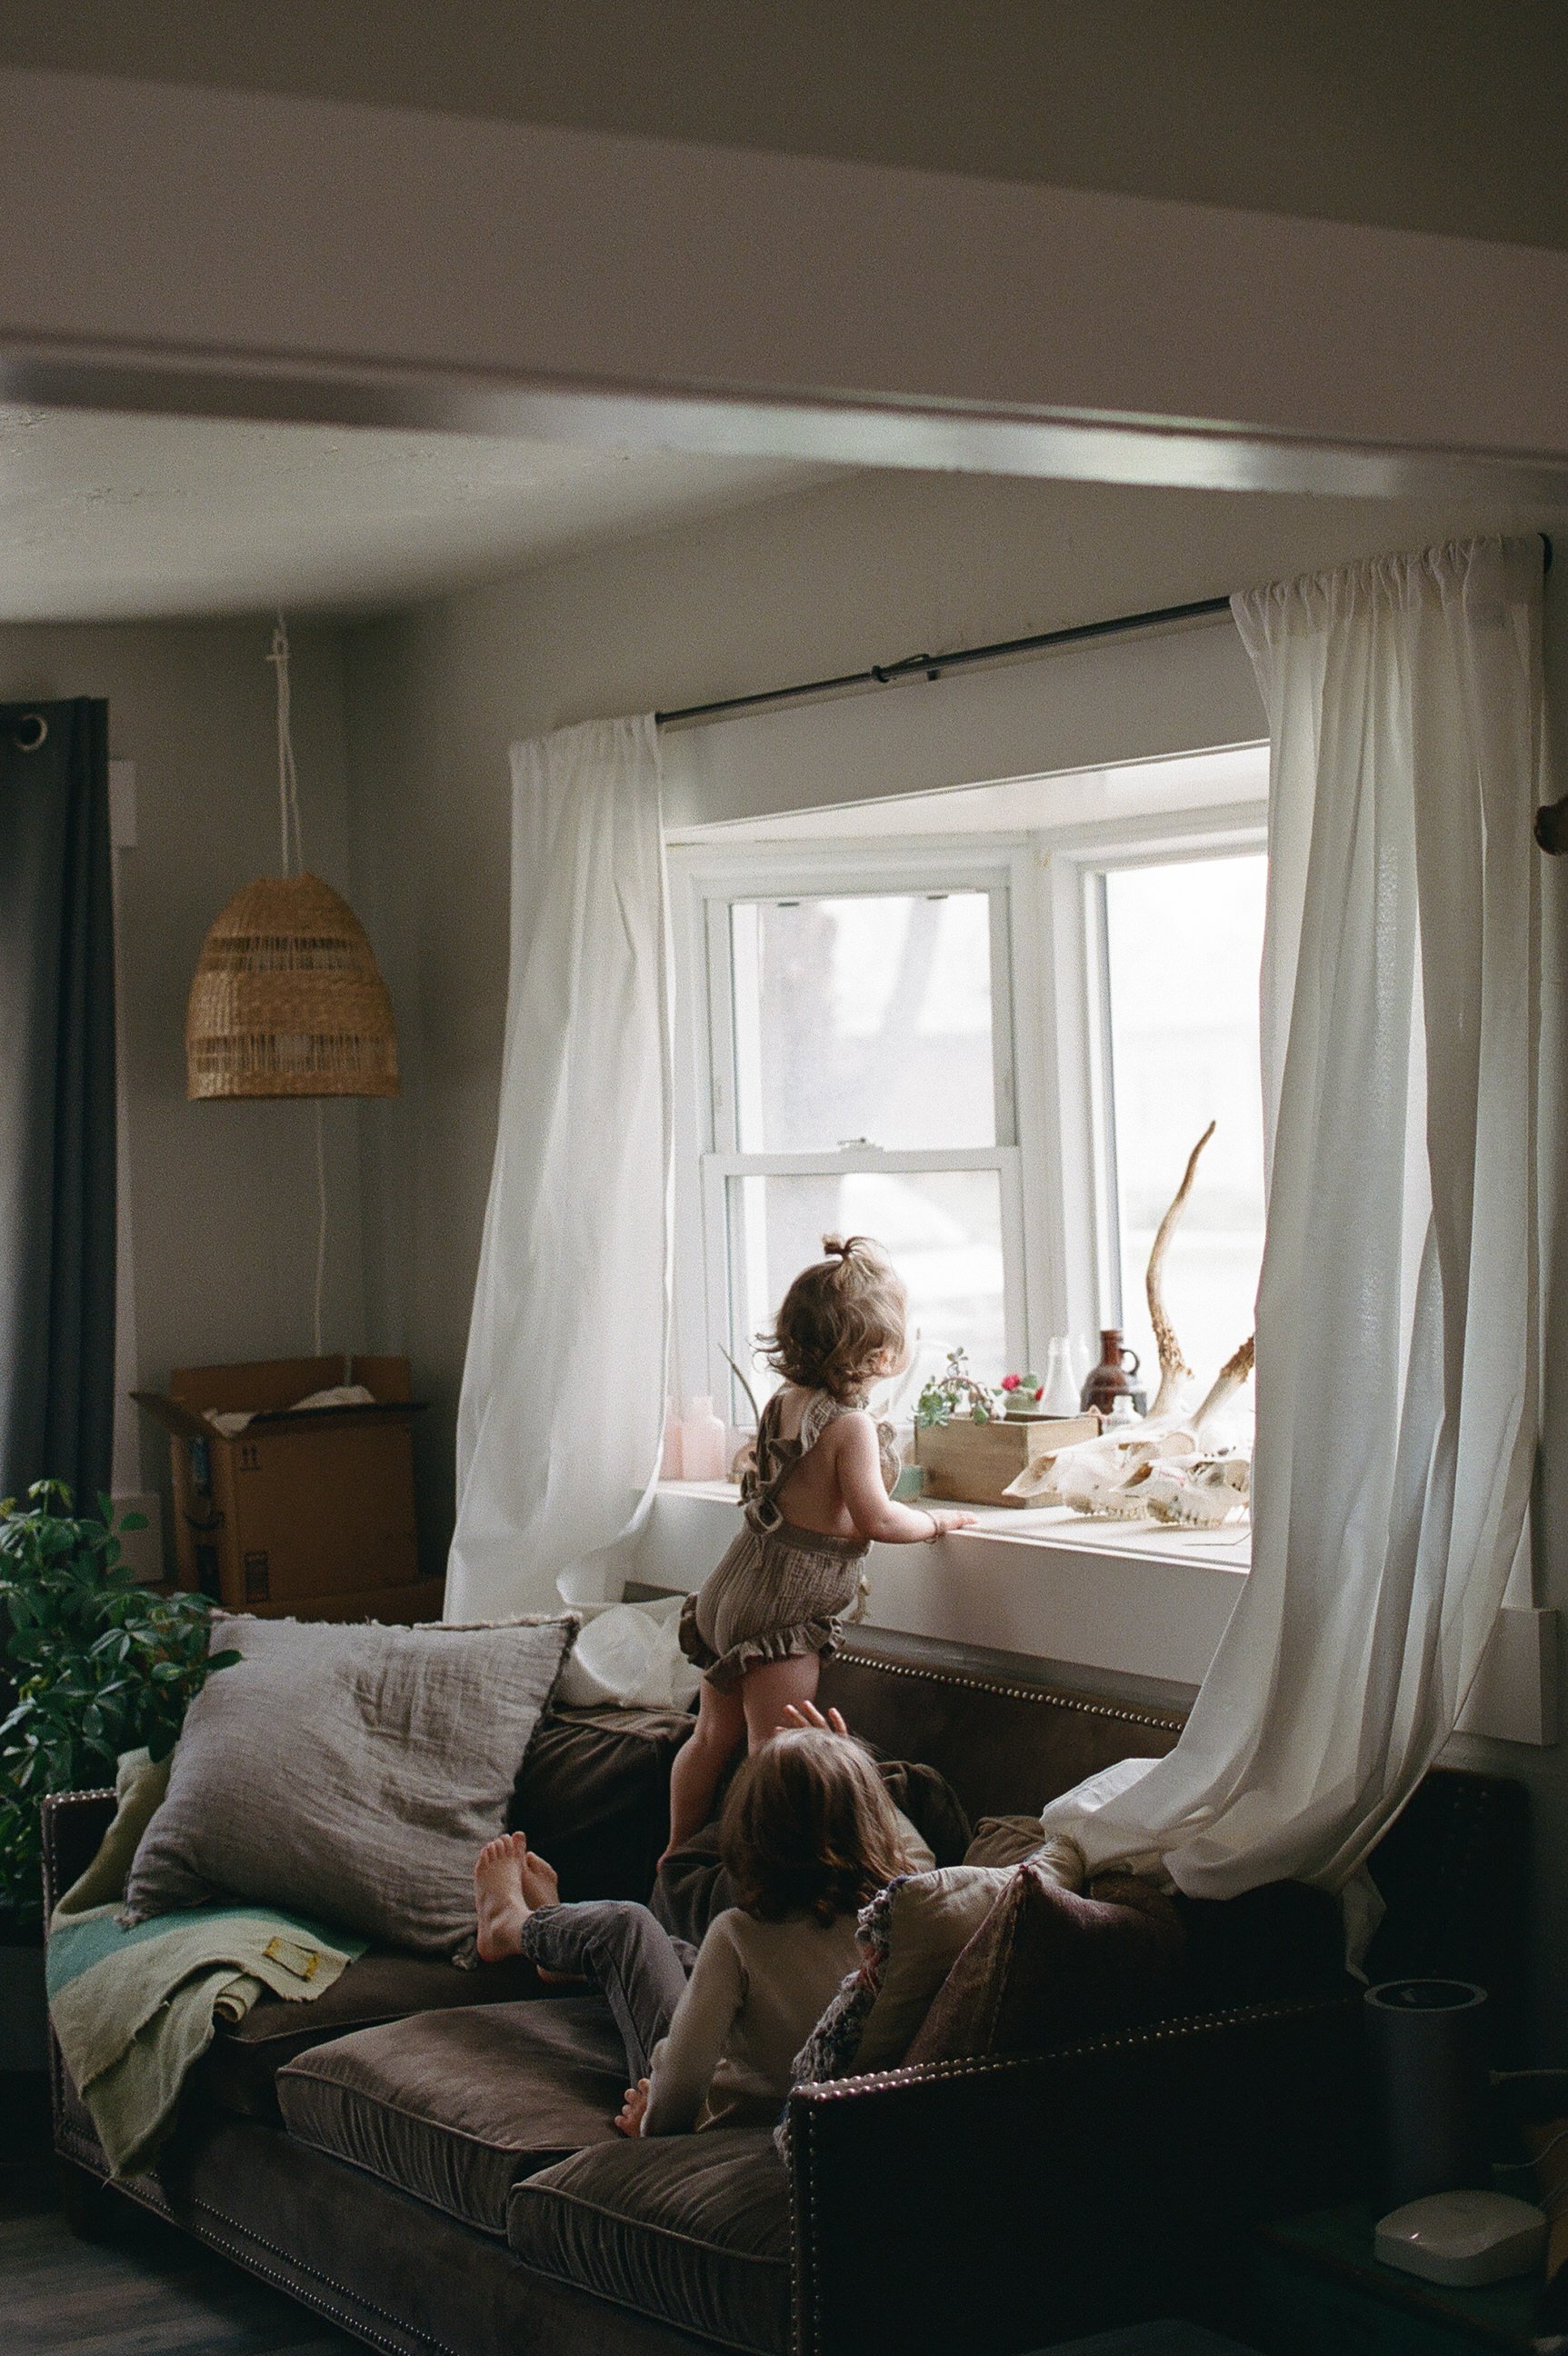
{"x": 425, "y": 2155}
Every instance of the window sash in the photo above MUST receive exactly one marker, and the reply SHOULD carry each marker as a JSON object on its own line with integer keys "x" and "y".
{"x": 1100, "y": 1098}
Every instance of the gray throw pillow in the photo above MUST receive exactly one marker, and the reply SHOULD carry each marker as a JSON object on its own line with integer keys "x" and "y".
{"x": 349, "y": 1774}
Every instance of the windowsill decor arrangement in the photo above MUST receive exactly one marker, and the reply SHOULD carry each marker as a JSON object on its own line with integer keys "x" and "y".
{"x": 1172, "y": 1466}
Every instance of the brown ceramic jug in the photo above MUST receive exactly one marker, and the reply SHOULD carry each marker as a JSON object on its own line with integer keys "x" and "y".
{"x": 1111, "y": 1378}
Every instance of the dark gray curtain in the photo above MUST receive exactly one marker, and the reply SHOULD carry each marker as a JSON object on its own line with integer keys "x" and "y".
{"x": 57, "y": 1098}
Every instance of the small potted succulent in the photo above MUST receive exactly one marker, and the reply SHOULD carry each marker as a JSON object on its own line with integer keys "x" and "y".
{"x": 96, "y": 1664}
{"x": 955, "y": 1394}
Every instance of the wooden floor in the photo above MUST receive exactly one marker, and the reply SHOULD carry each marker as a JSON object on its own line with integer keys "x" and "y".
{"x": 147, "y": 2290}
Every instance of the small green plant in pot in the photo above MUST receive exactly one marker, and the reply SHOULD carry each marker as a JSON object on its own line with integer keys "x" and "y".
{"x": 100, "y": 1665}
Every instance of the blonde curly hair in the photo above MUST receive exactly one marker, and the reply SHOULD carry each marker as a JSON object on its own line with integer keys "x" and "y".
{"x": 843, "y": 1322}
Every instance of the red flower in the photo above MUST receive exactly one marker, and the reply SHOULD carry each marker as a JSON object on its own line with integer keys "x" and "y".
{"x": 1011, "y": 1382}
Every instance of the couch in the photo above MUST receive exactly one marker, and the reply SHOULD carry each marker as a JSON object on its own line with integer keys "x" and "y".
{"x": 425, "y": 2155}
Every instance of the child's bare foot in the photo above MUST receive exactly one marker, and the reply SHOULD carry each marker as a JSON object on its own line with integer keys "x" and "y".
{"x": 500, "y": 1906}
{"x": 540, "y": 1883}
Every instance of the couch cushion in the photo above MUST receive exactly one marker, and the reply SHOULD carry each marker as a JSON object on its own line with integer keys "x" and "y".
{"x": 593, "y": 1795}
{"x": 454, "y": 2106}
{"x": 692, "y": 2230}
{"x": 238, "y": 2070}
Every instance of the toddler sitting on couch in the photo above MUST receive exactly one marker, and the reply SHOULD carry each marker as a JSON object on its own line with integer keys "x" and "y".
{"x": 809, "y": 1836}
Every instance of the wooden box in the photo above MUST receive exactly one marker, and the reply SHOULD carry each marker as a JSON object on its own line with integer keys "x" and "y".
{"x": 308, "y": 1515}
{"x": 971, "y": 1464}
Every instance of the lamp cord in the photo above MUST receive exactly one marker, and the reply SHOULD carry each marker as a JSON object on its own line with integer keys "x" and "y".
{"x": 288, "y": 777}
{"x": 321, "y": 1218}
{"x": 289, "y": 814}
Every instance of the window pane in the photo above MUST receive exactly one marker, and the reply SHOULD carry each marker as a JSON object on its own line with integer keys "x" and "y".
{"x": 1185, "y": 948}
{"x": 942, "y": 1230}
{"x": 864, "y": 1018}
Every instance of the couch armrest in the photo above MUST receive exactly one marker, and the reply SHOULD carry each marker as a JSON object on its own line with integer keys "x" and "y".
{"x": 74, "y": 1824}
{"x": 1002, "y": 2204}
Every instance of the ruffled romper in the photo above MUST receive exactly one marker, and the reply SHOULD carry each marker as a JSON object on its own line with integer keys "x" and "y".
{"x": 779, "y": 1591}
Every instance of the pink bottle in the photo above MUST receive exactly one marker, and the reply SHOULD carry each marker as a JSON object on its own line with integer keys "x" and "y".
{"x": 701, "y": 1442}
{"x": 671, "y": 1462}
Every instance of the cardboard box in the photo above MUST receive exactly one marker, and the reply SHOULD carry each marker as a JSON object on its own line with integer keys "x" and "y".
{"x": 971, "y": 1464}
{"x": 310, "y": 1515}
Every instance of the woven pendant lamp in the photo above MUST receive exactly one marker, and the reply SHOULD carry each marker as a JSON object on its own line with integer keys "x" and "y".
{"x": 287, "y": 998}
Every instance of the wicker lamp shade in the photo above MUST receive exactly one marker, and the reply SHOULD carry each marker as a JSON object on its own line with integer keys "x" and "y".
{"x": 287, "y": 999}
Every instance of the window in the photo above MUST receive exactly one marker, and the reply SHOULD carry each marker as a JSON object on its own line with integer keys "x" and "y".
{"x": 993, "y": 1054}
{"x": 863, "y": 1085}
{"x": 1182, "y": 946}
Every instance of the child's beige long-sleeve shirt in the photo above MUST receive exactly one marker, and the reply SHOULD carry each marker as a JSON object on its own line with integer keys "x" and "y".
{"x": 755, "y": 1993}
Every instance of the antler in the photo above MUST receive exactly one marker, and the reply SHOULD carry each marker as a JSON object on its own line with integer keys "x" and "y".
{"x": 1228, "y": 1381}
{"x": 1174, "y": 1368}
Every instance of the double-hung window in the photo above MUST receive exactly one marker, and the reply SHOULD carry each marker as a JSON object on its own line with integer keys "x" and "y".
{"x": 991, "y": 1052}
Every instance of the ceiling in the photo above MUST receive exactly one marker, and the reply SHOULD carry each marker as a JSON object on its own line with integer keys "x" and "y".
{"x": 119, "y": 517}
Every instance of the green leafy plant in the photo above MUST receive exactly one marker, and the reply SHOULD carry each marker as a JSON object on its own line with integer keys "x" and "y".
{"x": 955, "y": 1392}
{"x": 100, "y": 1665}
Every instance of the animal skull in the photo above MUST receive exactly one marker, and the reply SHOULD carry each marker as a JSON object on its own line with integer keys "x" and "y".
{"x": 1156, "y": 1468}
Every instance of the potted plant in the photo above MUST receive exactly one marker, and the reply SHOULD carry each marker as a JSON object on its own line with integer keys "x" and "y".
{"x": 100, "y": 1664}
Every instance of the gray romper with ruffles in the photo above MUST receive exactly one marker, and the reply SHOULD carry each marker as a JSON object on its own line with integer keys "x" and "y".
{"x": 779, "y": 1591}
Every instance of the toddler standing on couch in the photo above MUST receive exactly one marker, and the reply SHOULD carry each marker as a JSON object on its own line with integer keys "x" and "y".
{"x": 814, "y": 1500}
{"x": 810, "y": 1835}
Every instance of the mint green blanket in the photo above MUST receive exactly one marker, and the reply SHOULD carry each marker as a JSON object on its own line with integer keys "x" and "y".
{"x": 134, "y": 2010}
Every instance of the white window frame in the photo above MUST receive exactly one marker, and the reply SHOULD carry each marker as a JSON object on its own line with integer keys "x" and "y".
{"x": 1062, "y": 1265}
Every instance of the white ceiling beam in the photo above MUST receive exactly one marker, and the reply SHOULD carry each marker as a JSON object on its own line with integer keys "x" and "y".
{"x": 225, "y": 252}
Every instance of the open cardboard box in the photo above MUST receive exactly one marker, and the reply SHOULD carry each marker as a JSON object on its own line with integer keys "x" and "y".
{"x": 309, "y": 1513}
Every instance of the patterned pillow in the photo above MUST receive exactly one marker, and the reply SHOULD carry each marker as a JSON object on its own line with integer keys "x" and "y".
{"x": 1050, "y": 1964}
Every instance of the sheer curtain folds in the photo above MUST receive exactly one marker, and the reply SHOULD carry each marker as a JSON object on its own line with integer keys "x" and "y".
{"x": 561, "y": 1416}
{"x": 1396, "y": 1330}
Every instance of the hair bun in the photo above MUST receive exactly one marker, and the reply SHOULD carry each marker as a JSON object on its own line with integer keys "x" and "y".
{"x": 836, "y": 1248}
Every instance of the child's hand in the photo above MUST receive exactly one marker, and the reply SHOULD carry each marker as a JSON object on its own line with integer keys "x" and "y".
{"x": 806, "y": 1713}
{"x": 634, "y": 2109}
{"x": 943, "y": 1523}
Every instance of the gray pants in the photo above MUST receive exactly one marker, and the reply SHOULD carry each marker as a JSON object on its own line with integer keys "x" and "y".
{"x": 639, "y": 1969}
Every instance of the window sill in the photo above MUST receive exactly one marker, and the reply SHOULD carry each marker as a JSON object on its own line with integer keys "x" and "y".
{"x": 1118, "y": 1600}
{"x": 1115, "y": 1598}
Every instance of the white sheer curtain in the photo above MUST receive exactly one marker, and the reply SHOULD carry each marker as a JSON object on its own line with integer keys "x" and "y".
{"x": 561, "y": 1411}
{"x": 1397, "y": 1310}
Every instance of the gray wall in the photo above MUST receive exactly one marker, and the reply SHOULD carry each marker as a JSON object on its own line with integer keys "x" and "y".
{"x": 223, "y": 1196}
{"x": 1414, "y": 114}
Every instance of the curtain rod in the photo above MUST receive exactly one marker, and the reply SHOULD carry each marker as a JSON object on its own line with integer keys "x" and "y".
{"x": 931, "y": 667}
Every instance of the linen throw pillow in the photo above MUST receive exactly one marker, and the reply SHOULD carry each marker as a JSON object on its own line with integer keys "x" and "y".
{"x": 1050, "y": 1964}
{"x": 349, "y": 1774}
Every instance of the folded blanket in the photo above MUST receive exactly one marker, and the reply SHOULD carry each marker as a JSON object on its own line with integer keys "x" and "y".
{"x": 135, "y": 2009}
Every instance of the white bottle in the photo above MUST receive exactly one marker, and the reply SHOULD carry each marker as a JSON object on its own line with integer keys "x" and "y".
{"x": 701, "y": 1442}
{"x": 672, "y": 1460}
{"x": 1061, "y": 1392}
